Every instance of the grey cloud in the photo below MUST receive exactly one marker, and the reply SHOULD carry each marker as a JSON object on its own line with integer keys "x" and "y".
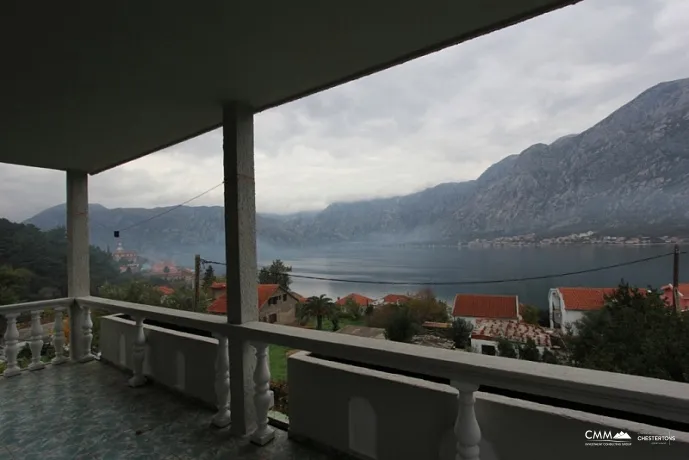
{"x": 443, "y": 117}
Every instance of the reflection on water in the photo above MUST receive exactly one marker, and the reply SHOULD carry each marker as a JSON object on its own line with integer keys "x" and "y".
{"x": 447, "y": 264}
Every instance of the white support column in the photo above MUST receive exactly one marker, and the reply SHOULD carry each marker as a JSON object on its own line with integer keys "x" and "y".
{"x": 263, "y": 396}
{"x": 78, "y": 280}
{"x": 36, "y": 342}
{"x": 139, "y": 353}
{"x": 240, "y": 255}
{"x": 11, "y": 350}
{"x": 222, "y": 383}
{"x": 59, "y": 337}
{"x": 467, "y": 430}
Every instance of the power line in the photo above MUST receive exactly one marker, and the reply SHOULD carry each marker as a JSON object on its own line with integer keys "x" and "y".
{"x": 172, "y": 208}
{"x": 469, "y": 283}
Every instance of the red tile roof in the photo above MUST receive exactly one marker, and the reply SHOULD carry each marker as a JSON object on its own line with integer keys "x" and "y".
{"x": 165, "y": 290}
{"x": 584, "y": 298}
{"x": 492, "y": 329}
{"x": 395, "y": 298}
{"x": 485, "y": 306}
{"x": 265, "y": 292}
{"x": 215, "y": 285}
{"x": 300, "y": 298}
{"x": 361, "y": 300}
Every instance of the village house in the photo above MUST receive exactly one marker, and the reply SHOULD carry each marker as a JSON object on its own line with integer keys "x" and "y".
{"x": 395, "y": 299}
{"x": 567, "y": 305}
{"x": 275, "y": 303}
{"x": 470, "y": 307}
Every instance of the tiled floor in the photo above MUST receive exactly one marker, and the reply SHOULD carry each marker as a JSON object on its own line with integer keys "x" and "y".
{"x": 87, "y": 411}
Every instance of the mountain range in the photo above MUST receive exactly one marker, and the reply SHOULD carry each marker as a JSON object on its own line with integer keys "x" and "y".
{"x": 628, "y": 173}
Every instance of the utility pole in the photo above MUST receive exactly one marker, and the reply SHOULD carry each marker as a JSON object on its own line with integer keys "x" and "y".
{"x": 675, "y": 279}
{"x": 197, "y": 277}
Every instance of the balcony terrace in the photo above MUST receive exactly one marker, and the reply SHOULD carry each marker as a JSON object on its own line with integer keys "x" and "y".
{"x": 350, "y": 397}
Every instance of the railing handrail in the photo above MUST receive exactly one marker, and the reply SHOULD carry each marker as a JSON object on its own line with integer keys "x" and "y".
{"x": 183, "y": 318}
{"x": 642, "y": 395}
{"x": 35, "y": 305}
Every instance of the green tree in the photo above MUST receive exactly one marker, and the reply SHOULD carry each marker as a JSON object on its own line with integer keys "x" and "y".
{"x": 353, "y": 309}
{"x": 529, "y": 351}
{"x": 424, "y": 306}
{"x": 506, "y": 348}
{"x": 316, "y": 307}
{"x": 14, "y": 284}
{"x": 208, "y": 278}
{"x": 45, "y": 255}
{"x": 335, "y": 318}
{"x": 402, "y": 325}
{"x": 635, "y": 332}
{"x": 530, "y": 314}
{"x": 276, "y": 273}
{"x": 461, "y": 333}
{"x": 166, "y": 270}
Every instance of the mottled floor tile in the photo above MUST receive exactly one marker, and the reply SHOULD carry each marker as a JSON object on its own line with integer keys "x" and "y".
{"x": 87, "y": 411}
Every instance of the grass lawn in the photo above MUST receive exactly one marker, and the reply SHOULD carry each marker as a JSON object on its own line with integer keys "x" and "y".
{"x": 278, "y": 354}
{"x": 278, "y": 362}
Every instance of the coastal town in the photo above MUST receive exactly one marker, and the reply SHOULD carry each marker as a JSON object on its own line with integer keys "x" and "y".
{"x": 588, "y": 237}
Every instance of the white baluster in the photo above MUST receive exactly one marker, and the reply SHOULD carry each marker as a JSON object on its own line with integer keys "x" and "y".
{"x": 467, "y": 430}
{"x": 59, "y": 337}
{"x": 139, "y": 353}
{"x": 87, "y": 335}
{"x": 222, "y": 383}
{"x": 11, "y": 350}
{"x": 263, "y": 397}
{"x": 36, "y": 341}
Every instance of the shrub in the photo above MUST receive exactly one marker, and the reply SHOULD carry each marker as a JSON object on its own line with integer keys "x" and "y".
{"x": 529, "y": 351}
{"x": 281, "y": 396}
{"x": 506, "y": 348}
{"x": 461, "y": 332}
{"x": 549, "y": 357}
{"x": 401, "y": 327}
{"x": 381, "y": 316}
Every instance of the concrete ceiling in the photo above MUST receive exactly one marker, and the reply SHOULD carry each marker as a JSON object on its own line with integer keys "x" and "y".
{"x": 89, "y": 85}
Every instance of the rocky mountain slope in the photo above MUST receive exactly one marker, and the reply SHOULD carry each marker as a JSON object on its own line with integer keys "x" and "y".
{"x": 629, "y": 172}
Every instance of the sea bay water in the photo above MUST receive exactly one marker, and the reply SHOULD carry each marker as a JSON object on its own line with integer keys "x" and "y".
{"x": 361, "y": 263}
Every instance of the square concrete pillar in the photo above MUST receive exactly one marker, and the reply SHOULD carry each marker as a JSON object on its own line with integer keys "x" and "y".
{"x": 240, "y": 256}
{"x": 78, "y": 276}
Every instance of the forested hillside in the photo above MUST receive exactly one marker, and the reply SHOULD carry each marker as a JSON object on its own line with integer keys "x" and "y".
{"x": 33, "y": 264}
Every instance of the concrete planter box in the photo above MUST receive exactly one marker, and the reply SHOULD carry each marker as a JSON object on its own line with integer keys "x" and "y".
{"x": 179, "y": 360}
{"x": 378, "y": 415}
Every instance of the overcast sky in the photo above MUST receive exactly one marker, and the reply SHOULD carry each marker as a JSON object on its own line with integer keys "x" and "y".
{"x": 444, "y": 117}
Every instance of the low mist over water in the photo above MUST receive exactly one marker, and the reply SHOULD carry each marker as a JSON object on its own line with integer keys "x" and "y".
{"x": 448, "y": 264}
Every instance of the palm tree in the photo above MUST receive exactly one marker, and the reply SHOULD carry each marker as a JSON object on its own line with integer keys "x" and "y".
{"x": 317, "y": 307}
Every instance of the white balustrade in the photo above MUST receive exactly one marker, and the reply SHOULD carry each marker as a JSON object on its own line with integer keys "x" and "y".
{"x": 467, "y": 430}
{"x": 139, "y": 353}
{"x": 87, "y": 335}
{"x": 59, "y": 337}
{"x": 222, "y": 382}
{"x": 263, "y": 396}
{"x": 11, "y": 349}
{"x": 36, "y": 341}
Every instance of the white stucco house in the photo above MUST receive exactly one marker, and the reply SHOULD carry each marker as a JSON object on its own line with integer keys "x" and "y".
{"x": 567, "y": 305}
